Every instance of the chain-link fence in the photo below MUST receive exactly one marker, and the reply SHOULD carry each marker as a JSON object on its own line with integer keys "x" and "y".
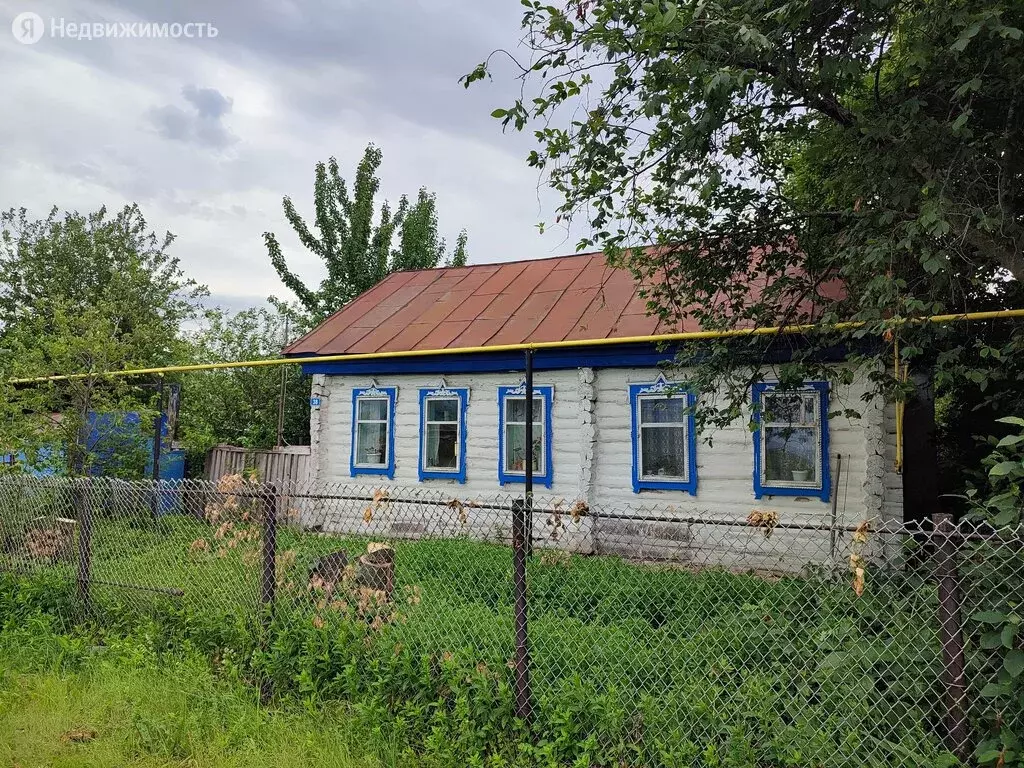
{"x": 585, "y": 636}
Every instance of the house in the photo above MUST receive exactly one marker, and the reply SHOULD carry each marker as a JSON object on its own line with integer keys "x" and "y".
{"x": 613, "y": 433}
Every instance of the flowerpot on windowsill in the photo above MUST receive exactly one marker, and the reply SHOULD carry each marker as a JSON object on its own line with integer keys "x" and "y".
{"x": 800, "y": 475}
{"x": 373, "y": 457}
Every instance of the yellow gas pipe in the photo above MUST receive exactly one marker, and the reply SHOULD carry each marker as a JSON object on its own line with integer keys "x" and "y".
{"x": 1001, "y": 314}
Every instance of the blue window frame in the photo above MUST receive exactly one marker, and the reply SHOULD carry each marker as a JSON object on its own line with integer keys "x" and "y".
{"x": 664, "y": 437}
{"x": 443, "y": 434}
{"x": 512, "y": 435}
{"x": 791, "y": 440}
{"x": 373, "y": 431}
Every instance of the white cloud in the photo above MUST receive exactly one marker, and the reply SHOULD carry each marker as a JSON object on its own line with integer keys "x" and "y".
{"x": 208, "y": 136}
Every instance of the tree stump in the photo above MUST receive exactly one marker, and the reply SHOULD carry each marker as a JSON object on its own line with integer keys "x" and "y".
{"x": 377, "y": 569}
{"x": 329, "y": 570}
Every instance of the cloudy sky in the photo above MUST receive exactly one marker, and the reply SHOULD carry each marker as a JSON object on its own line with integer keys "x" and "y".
{"x": 207, "y": 135}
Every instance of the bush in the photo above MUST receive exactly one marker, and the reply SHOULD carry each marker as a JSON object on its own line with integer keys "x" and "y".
{"x": 632, "y": 665}
{"x": 996, "y": 639}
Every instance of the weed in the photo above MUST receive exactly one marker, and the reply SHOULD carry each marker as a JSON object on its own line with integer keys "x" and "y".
{"x": 632, "y": 665}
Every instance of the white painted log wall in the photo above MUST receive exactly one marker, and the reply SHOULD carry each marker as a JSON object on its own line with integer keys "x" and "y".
{"x": 331, "y": 426}
{"x": 592, "y": 461}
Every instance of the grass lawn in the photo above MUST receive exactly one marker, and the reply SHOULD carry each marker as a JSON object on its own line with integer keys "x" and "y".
{"x": 631, "y": 665}
{"x": 67, "y": 707}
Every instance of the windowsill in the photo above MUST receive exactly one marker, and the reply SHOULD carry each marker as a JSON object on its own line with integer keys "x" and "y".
{"x": 382, "y": 469}
{"x": 806, "y": 491}
{"x": 665, "y": 484}
{"x": 457, "y": 475}
{"x": 520, "y": 477}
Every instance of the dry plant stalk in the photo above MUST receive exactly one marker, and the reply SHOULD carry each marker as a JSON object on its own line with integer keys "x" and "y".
{"x": 858, "y": 564}
{"x": 765, "y": 519}
{"x": 237, "y": 518}
{"x": 380, "y": 498}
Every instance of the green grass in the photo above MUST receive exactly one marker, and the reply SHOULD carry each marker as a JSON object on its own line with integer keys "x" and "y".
{"x": 632, "y": 665}
{"x": 135, "y": 709}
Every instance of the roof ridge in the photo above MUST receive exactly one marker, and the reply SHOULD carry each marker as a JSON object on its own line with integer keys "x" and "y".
{"x": 500, "y": 263}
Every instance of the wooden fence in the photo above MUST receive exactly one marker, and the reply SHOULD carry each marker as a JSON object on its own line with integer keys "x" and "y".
{"x": 278, "y": 465}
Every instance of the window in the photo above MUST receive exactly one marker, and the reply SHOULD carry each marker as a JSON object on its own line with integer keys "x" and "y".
{"x": 512, "y": 435}
{"x": 664, "y": 439}
{"x": 443, "y": 434}
{"x": 791, "y": 441}
{"x": 373, "y": 431}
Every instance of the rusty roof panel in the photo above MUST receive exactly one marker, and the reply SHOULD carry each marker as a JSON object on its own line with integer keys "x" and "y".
{"x": 570, "y": 298}
{"x": 499, "y": 281}
{"x": 336, "y": 323}
{"x": 637, "y": 306}
{"x": 557, "y": 280}
{"x": 474, "y": 277}
{"x": 503, "y": 306}
{"x": 600, "y": 317}
{"x": 408, "y": 338}
{"x": 469, "y": 309}
{"x": 524, "y": 322}
{"x": 343, "y": 340}
{"x": 441, "y": 309}
{"x": 634, "y": 325}
{"x": 443, "y": 335}
{"x": 375, "y": 340}
{"x": 478, "y": 333}
{"x": 530, "y": 279}
{"x": 564, "y": 315}
{"x": 425, "y": 277}
{"x": 450, "y": 281}
{"x": 576, "y": 262}
{"x": 592, "y": 275}
{"x": 385, "y": 307}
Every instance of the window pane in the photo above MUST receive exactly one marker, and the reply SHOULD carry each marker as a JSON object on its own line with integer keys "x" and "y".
{"x": 515, "y": 448}
{"x": 441, "y": 450}
{"x": 443, "y": 410}
{"x": 515, "y": 409}
{"x": 790, "y": 455}
{"x": 659, "y": 410}
{"x": 791, "y": 408}
{"x": 663, "y": 452}
{"x": 376, "y": 408}
{"x": 371, "y": 443}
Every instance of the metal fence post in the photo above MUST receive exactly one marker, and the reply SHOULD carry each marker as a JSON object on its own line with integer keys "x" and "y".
{"x": 951, "y": 634}
{"x": 528, "y": 454}
{"x": 268, "y": 586}
{"x": 158, "y": 424}
{"x": 83, "y": 500}
{"x": 524, "y": 697}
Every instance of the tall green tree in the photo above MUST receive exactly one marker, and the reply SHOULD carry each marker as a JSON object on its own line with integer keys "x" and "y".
{"x": 355, "y": 242}
{"x": 80, "y": 260}
{"x": 240, "y": 406}
{"x": 80, "y": 295}
{"x": 50, "y": 423}
{"x": 788, "y": 146}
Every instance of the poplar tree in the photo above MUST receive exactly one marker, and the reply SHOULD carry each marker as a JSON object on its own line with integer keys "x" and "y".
{"x": 358, "y": 244}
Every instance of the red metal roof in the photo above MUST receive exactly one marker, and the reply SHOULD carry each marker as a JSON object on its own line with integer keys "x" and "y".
{"x": 566, "y": 298}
